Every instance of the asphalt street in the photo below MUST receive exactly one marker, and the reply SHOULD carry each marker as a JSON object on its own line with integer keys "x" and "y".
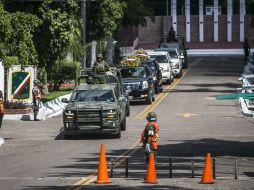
{"x": 192, "y": 123}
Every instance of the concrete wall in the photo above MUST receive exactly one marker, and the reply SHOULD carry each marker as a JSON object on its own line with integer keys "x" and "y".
{"x": 157, "y": 31}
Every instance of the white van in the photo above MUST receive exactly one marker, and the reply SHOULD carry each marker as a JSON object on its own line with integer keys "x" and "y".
{"x": 163, "y": 58}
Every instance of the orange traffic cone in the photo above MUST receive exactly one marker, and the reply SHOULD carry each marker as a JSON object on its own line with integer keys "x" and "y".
{"x": 207, "y": 177}
{"x": 151, "y": 172}
{"x": 102, "y": 168}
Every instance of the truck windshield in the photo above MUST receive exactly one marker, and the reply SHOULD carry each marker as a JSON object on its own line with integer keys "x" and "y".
{"x": 160, "y": 58}
{"x": 92, "y": 95}
{"x": 172, "y": 53}
{"x": 137, "y": 72}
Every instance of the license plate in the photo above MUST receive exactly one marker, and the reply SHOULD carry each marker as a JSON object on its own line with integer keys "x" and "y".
{"x": 131, "y": 97}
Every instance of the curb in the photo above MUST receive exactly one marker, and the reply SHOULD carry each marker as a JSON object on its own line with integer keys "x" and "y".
{"x": 54, "y": 108}
{"x": 216, "y": 52}
{"x": 245, "y": 110}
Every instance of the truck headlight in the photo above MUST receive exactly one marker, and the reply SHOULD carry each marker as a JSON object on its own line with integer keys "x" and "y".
{"x": 110, "y": 113}
{"x": 68, "y": 115}
{"x": 145, "y": 85}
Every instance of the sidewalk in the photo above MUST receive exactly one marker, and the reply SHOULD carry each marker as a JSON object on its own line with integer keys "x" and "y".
{"x": 207, "y": 48}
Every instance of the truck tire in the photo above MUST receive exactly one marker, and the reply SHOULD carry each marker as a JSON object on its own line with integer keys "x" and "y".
{"x": 123, "y": 124}
{"x": 117, "y": 135}
{"x": 149, "y": 99}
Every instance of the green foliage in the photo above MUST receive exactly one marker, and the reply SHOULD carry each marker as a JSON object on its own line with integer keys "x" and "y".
{"x": 64, "y": 71}
{"x": 10, "y": 60}
{"x": 135, "y": 13}
{"x": 16, "y": 35}
{"x": 69, "y": 70}
{"x": 105, "y": 18}
{"x": 56, "y": 33}
{"x": 55, "y": 94}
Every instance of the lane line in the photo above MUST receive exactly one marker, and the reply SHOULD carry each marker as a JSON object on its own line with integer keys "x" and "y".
{"x": 143, "y": 114}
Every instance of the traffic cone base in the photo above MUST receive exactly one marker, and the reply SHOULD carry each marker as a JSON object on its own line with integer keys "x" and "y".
{"x": 151, "y": 172}
{"x": 207, "y": 177}
{"x": 102, "y": 168}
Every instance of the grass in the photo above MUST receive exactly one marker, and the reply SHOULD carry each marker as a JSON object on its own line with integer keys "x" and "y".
{"x": 55, "y": 94}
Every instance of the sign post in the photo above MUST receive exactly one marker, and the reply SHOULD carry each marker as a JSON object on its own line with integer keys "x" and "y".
{"x": 20, "y": 83}
{"x": 2, "y": 78}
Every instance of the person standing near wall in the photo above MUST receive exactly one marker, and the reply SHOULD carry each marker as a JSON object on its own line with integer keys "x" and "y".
{"x": 246, "y": 48}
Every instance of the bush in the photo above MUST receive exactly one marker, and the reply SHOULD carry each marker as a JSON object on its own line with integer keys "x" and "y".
{"x": 67, "y": 70}
{"x": 15, "y": 105}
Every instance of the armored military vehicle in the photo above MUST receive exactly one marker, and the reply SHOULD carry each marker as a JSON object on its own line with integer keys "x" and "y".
{"x": 96, "y": 108}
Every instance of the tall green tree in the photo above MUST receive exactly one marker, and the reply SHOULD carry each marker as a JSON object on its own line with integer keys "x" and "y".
{"x": 135, "y": 13}
{"x": 104, "y": 18}
{"x": 16, "y": 36}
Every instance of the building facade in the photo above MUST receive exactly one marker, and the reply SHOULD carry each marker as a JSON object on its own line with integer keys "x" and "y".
{"x": 210, "y": 25}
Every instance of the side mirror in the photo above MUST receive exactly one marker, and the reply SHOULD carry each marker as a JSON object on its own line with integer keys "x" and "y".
{"x": 65, "y": 100}
{"x": 122, "y": 99}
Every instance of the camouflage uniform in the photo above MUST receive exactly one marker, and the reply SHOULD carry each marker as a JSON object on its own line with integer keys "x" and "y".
{"x": 36, "y": 98}
{"x": 100, "y": 68}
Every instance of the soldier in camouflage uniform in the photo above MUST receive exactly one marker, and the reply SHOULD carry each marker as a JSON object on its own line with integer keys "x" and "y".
{"x": 36, "y": 98}
{"x": 100, "y": 67}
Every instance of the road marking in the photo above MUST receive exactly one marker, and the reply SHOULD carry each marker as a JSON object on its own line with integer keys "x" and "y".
{"x": 187, "y": 114}
{"x": 162, "y": 96}
{"x": 92, "y": 178}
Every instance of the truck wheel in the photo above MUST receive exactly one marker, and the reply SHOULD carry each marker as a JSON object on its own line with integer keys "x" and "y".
{"x": 123, "y": 124}
{"x": 157, "y": 89}
{"x": 168, "y": 81}
{"x": 128, "y": 111}
{"x": 117, "y": 135}
{"x": 149, "y": 99}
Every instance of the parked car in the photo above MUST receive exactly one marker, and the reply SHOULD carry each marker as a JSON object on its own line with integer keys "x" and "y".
{"x": 175, "y": 59}
{"x": 180, "y": 47}
{"x": 164, "y": 60}
{"x": 95, "y": 108}
{"x": 138, "y": 82}
{"x": 156, "y": 72}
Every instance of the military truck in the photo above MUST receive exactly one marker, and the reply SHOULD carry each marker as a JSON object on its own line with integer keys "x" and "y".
{"x": 96, "y": 108}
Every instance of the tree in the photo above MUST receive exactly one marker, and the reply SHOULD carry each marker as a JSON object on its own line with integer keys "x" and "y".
{"x": 16, "y": 36}
{"x": 135, "y": 13}
{"x": 56, "y": 35}
{"x": 104, "y": 18}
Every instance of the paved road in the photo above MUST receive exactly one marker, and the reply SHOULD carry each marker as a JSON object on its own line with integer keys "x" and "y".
{"x": 192, "y": 123}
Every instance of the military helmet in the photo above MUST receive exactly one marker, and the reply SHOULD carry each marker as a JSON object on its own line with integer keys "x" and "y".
{"x": 99, "y": 55}
{"x": 151, "y": 116}
{"x": 36, "y": 81}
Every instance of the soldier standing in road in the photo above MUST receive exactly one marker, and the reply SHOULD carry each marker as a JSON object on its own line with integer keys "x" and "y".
{"x": 36, "y": 98}
{"x": 100, "y": 67}
{"x": 246, "y": 49}
{"x": 149, "y": 136}
{"x": 1, "y": 108}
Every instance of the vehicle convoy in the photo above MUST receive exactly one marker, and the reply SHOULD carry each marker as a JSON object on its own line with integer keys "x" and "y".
{"x": 180, "y": 47}
{"x": 163, "y": 58}
{"x": 96, "y": 108}
{"x": 138, "y": 81}
{"x": 156, "y": 72}
{"x": 175, "y": 59}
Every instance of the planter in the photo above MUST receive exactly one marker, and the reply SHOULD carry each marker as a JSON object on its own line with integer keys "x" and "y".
{"x": 18, "y": 111}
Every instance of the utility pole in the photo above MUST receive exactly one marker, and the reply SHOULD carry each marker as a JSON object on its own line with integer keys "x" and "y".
{"x": 83, "y": 14}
